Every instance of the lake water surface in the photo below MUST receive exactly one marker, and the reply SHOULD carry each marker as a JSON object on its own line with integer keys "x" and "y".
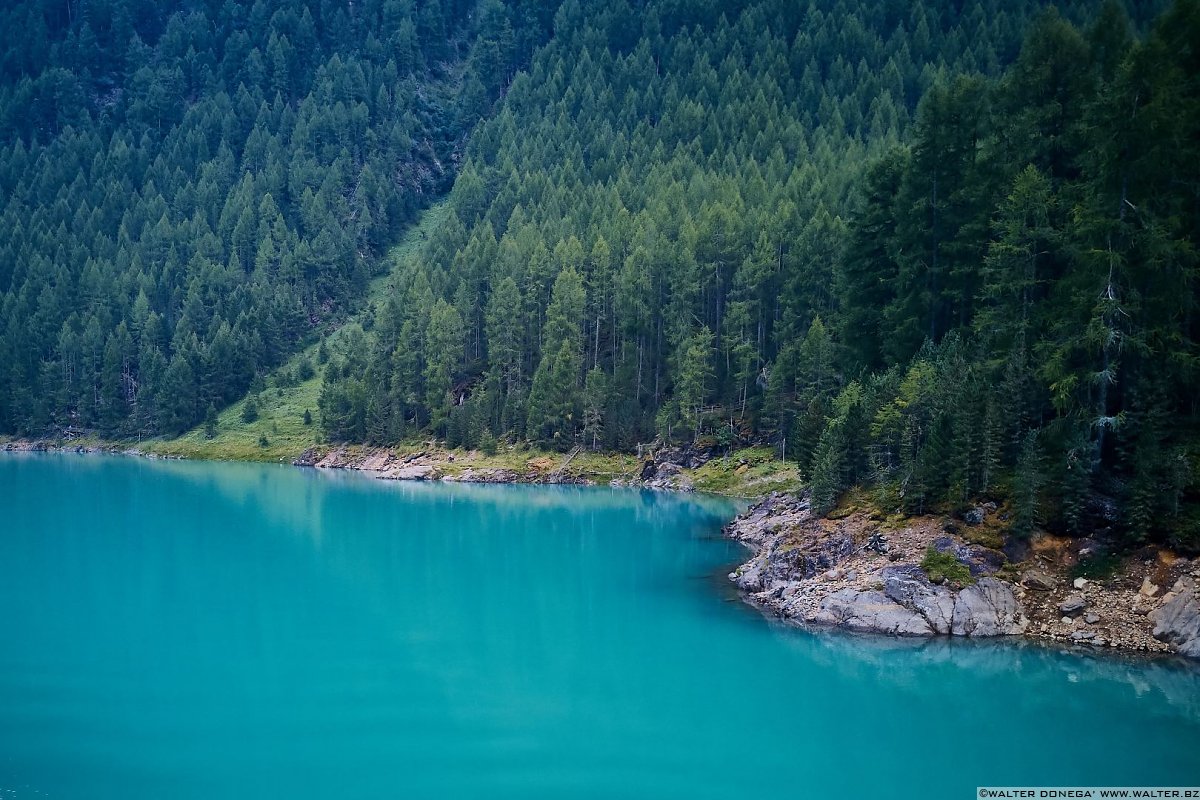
{"x": 175, "y": 630}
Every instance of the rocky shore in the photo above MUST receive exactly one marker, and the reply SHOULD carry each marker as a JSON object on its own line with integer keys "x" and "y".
{"x": 42, "y": 446}
{"x": 661, "y": 468}
{"x": 868, "y": 575}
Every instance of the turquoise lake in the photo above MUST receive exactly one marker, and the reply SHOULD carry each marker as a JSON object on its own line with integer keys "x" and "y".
{"x": 179, "y": 630}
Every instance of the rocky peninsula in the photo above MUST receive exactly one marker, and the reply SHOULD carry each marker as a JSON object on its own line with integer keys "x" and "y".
{"x": 923, "y": 576}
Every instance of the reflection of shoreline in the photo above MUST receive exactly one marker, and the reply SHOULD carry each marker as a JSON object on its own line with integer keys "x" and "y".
{"x": 1175, "y": 678}
{"x": 246, "y": 482}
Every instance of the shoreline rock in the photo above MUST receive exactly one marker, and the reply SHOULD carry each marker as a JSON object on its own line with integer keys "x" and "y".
{"x": 42, "y": 446}
{"x": 1177, "y": 620}
{"x": 663, "y": 469}
{"x": 851, "y": 574}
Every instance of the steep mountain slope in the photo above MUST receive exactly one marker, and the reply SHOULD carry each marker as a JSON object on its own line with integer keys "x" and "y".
{"x": 191, "y": 188}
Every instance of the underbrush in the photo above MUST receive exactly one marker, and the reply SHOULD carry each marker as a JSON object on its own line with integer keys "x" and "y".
{"x": 939, "y": 567}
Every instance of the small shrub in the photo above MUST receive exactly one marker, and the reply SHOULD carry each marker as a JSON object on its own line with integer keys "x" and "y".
{"x": 250, "y": 410}
{"x": 263, "y": 441}
{"x": 210, "y": 422}
{"x": 307, "y": 417}
{"x": 1098, "y": 567}
{"x": 939, "y": 566}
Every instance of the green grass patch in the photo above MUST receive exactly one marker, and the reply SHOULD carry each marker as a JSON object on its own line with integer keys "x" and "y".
{"x": 601, "y": 466}
{"x": 277, "y": 434}
{"x": 852, "y": 501}
{"x": 939, "y": 566}
{"x": 751, "y": 472}
{"x": 406, "y": 249}
{"x": 991, "y": 536}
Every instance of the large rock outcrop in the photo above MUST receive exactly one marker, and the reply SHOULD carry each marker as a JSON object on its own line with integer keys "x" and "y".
{"x": 860, "y": 573}
{"x": 1177, "y": 620}
{"x": 910, "y": 605}
{"x": 847, "y": 574}
{"x": 870, "y": 612}
{"x": 780, "y": 560}
{"x": 907, "y": 586}
{"x": 989, "y": 607}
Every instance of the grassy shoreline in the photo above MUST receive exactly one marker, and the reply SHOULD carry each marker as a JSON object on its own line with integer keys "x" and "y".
{"x": 747, "y": 473}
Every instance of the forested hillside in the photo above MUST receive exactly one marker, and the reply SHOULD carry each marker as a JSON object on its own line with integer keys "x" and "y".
{"x": 191, "y": 188}
{"x": 943, "y": 251}
{"x": 662, "y": 184}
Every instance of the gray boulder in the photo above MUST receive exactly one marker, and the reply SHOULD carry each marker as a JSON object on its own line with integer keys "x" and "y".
{"x": 869, "y": 612}
{"x": 988, "y": 608}
{"x": 1073, "y": 603}
{"x": 1178, "y": 620}
{"x": 976, "y": 558}
{"x": 907, "y": 585}
{"x": 1036, "y": 579}
{"x": 308, "y": 458}
{"x": 667, "y": 469}
{"x": 420, "y": 472}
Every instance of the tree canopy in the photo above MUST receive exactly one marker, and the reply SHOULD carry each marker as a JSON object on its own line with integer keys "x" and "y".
{"x": 191, "y": 189}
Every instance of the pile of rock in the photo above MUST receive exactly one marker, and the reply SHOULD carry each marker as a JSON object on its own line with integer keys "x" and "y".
{"x": 1100, "y": 613}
